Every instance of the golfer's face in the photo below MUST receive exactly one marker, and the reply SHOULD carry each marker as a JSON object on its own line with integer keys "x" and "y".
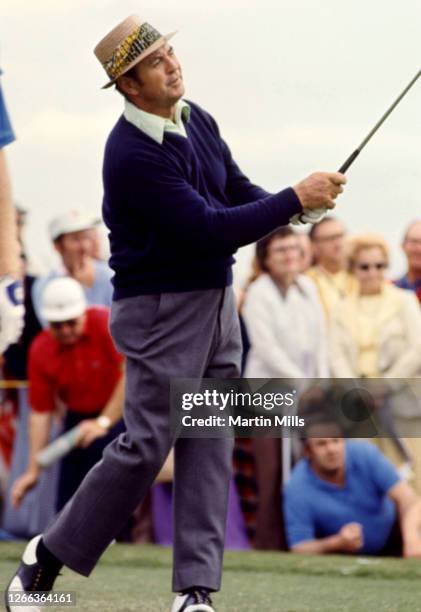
{"x": 160, "y": 77}
{"x": 369, "y": 268}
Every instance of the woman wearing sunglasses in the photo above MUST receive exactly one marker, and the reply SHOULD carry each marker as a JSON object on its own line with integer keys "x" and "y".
{"x": 376, "y": 333}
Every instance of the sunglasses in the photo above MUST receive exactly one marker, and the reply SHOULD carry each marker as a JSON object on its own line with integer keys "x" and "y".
{"x": 58, "y": 324}
{"x": 376, "y": 266}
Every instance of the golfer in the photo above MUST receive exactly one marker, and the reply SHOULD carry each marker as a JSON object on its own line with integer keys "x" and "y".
{"x": 177, "y": 207}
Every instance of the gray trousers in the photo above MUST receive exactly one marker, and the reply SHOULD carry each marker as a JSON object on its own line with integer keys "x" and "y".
{"x": 193, "y": 334}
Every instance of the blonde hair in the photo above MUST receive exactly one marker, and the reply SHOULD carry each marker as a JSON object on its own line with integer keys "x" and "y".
{"x": 358, "y": 242}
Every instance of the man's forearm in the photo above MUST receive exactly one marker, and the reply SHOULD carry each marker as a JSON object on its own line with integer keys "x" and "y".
{"x": 9, "y": 245}
{"x": 39, "y": 436}
{"x": 322, "y": 546}
{"x": 410, "y": 522}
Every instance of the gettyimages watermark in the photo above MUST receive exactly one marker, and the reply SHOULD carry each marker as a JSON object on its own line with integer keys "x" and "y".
{"x": 254, "y": 407}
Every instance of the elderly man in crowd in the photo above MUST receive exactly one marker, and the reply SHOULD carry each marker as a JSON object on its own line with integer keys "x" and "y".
{"x": 411, "y": 246}
{"x": 345, "y": 497}
{"x": 177, "y": 207}
{"x": 329, "y": 272}
{"x": 72, "y": 363}
{"x": 72, "y": 234}
{"x": 11, "y": 308}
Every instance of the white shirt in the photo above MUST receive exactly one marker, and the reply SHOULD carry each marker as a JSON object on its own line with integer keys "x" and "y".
{"x": 154, "y": 125}
{"x": 287, "y": 332}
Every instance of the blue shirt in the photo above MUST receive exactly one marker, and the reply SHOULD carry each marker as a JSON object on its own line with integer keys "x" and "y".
{"x": 177, "y": 211}
{"x": 6, "y": 132}
{"x": 315, "y": 508}
{"x": 405, "y": 283}
{"x": 99, "y": 294}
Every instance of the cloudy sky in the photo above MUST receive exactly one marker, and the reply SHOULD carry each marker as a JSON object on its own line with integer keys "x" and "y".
{"x": 294, "y": 86}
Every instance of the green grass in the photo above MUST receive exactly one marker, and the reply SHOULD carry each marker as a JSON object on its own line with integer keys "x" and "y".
{"x": 137, "y": 579}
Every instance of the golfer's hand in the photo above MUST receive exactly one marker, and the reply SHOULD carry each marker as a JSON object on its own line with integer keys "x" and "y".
{"x": 89, "y": 431}
{"x": 320, "y": 189}
{"x": 21, "y": 487}
{"x": 351, "y": 537}
{"x": 309, "y": 215}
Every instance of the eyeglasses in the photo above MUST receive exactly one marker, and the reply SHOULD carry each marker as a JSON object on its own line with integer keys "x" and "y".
{"x": 329, "y": 238}
{"x": 376, "y": 266}
{"x": 285, "y": 249}
{"x": 58, "y": 324}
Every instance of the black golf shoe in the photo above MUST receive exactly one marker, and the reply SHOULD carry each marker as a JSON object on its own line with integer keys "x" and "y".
{"x": 196, "y": 600}
{"x": 30, "y": 578}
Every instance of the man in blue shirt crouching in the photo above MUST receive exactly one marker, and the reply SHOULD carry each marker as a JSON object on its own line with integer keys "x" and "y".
{"x": 344, "y": 496}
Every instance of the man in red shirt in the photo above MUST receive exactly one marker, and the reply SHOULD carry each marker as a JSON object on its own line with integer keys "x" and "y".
{"x": 72, "y": 363}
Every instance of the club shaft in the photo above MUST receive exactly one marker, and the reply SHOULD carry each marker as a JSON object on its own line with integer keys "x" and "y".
{"x": 357, "y": 151}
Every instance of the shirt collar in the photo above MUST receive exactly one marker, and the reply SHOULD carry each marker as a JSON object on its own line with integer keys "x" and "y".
{"x": 155, "y": 126}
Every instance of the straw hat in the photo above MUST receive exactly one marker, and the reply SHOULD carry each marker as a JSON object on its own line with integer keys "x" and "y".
{"x": 126, "y": 45}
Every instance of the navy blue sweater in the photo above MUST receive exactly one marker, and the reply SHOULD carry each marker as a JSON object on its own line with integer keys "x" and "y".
{"x": 178, "y": 211}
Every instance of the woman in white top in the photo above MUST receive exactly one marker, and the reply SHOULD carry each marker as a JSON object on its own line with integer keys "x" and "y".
{"x": 286, "y": 327}
{"x": 283, "y": 314}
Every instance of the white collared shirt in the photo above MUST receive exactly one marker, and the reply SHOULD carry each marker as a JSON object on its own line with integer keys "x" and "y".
{"x": 154, "y": 125}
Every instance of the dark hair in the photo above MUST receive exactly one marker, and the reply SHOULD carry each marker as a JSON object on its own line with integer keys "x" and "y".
{"x": 262, "y": 245}
{"x": 313, "y": 229}
{"x": 131, "y": 74}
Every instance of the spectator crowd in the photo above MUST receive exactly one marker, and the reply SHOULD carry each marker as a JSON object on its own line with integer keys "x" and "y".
{"x": 317, "y": 305}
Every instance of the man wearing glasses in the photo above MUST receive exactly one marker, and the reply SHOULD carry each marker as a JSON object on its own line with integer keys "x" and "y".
{"x": 73, "y": 362}
{"x": 328, "y": 273}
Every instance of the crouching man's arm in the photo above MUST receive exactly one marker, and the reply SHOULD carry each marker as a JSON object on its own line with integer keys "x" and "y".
{"x": 91, "y": 429}
{"x": 349, "y": 539}
{"x": 39, "y": 435}
{"x": 409, "y": 509}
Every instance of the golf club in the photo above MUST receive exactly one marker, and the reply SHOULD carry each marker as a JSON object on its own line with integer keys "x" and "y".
{"x": 358, "y": 150}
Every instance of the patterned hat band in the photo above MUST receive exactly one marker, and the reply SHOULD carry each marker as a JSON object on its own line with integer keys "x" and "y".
{"x": 130, "y": 48}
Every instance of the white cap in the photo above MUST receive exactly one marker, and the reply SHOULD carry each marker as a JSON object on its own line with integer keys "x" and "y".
{"x": 62, "y": 299}
{"x": 71, "y": 221}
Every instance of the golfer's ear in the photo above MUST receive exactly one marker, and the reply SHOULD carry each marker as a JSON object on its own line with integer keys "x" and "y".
{"x": 127, "y": 85}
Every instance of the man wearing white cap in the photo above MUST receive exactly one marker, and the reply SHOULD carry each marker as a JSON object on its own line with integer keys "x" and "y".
{"x": 11, "y": 308}
{"x": 74, "y": 362}
{"x": 177, "y": 207}
{"x": 72, "y": 236}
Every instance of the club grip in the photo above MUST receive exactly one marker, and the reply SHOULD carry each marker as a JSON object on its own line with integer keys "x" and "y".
{"x": 349, "y": 161}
